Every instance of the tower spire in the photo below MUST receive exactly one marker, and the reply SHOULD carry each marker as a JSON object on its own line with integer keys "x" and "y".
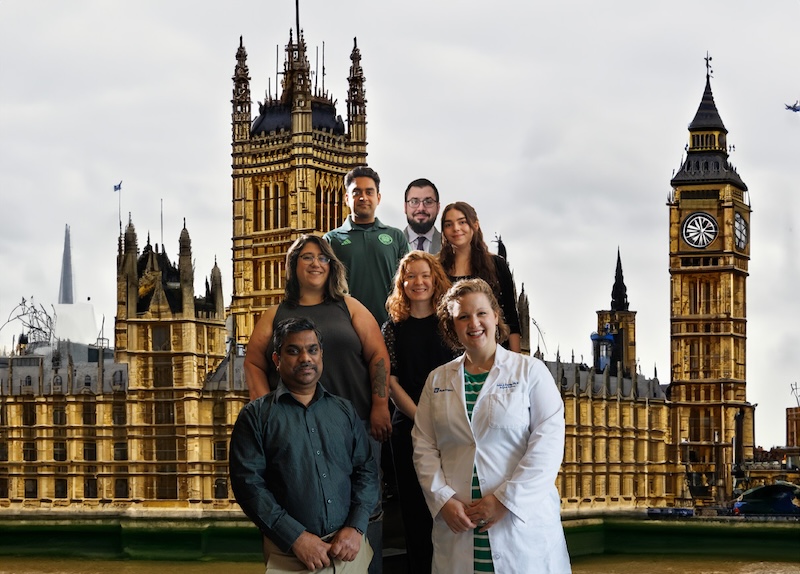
{"x": 619, "y": 293}
{"x": 65, "y": 295}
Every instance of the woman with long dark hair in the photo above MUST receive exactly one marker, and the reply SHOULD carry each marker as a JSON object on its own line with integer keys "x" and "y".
{"x": 464, "y": 255}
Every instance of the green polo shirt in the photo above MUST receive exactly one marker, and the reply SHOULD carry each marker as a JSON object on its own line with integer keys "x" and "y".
{"x": 371, "y": 257}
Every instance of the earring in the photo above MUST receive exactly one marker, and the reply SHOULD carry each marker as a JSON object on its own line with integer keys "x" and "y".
{"x": 497, "y": 332}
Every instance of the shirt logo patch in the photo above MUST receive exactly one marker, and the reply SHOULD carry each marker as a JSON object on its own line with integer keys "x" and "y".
{"x": 346, "y": 241}
{"x": 508, "y": 386}
{"x": 385, "y": 239}
{"x": 441, "y": 390}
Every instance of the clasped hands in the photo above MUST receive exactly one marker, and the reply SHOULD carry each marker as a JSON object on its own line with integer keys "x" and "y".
{"x": 483, "y": 513}
{"x": 315, "y": 553}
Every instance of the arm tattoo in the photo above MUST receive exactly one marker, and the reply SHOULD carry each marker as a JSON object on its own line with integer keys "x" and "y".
{"x": 379, "y": 379}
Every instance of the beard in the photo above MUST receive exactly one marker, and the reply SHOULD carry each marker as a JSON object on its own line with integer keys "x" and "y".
{"x": 421, "y": 228}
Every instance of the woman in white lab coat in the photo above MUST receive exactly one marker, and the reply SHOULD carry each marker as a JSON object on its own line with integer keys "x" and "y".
{"x": 488, "y": 443}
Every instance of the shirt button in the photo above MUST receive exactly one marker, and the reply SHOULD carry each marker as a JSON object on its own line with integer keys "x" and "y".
{"x": 483, "y": 480}
{"x": 329, "y": 501}
{"x": 318, "y": 453}
{"x": 324, "y": 475}
{"x": 313, "y": 430}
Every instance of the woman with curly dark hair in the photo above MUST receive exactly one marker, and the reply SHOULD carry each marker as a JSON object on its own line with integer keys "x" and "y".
{"x": 464, "y": 255}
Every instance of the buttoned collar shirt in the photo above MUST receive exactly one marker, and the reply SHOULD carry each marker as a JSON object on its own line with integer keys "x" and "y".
{"x": 298, "y": 468}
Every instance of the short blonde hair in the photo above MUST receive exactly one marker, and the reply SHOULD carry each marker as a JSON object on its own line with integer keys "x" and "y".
{"x": 453, "y": 295}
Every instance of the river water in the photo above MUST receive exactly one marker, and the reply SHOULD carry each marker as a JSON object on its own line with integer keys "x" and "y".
{"x": 584, "y": 565}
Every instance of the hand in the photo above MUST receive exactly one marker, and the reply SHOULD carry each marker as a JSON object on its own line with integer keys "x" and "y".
{"x": 346, "y": 544}
{"x": 312, "y": 551}
{"x": 380, "y": 422}
{"x": 454, "y": 514}
{"x": 486, "y": 512}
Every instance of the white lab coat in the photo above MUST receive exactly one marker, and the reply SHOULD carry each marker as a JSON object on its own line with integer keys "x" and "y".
{"x": 516, "y": 443}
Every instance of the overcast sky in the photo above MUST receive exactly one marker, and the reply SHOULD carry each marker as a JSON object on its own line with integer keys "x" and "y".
{"x": 561, "y": 123}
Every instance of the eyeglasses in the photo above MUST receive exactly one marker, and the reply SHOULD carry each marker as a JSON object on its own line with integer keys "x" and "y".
{"x": 427, "y": 202}
{"x": 309, "y": 258}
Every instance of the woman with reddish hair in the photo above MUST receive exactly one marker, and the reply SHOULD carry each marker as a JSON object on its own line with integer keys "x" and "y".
{"x": 416, "y": 347}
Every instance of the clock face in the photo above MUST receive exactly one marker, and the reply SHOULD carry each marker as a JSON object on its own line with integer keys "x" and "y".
{"x": 740, "y": 230}
{"x": 699, "y": 230}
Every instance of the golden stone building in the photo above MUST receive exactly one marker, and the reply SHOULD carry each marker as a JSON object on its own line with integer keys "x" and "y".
{"x": 709, "y": 250}
{"x": 288, "y": 169}
{"x": 617, "y": 451}
{"x": 150, "y": 429}
{"x": 147, "y": 427}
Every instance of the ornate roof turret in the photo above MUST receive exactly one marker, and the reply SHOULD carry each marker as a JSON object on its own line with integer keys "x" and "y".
{"x": 707, "y": 152}
{"x": 275, "y": 113}
{"x": 241, "y": 102}
{"x": 619, "y": 293}
{"x": 356, "y": 97}
{"x": 707, "y": 116}
{"x": 185, "y": 242}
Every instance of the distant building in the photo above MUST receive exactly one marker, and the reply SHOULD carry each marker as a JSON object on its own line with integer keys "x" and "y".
{"x": 145, "y": 425}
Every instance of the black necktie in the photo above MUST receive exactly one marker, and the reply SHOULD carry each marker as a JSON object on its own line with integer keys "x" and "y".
{"x": 421, "y": 242}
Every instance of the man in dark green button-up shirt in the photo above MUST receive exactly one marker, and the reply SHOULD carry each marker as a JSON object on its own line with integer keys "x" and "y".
{"x": 301, "y": 466}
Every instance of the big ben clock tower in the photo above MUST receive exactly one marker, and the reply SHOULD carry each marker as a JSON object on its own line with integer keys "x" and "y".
{"x": 709, "y": 250}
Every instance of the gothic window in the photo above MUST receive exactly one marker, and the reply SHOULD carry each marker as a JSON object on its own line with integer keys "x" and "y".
{"x": 90, "y": 488}
{"x": 31, "y": 488}
{"x": 161, "y": 340}
{"x": 121, "y": 488}
{"x": 89, "y": 413}
{"x": 87, "y": 381}
{"x": 162, "y": 372}
{"x": 166, "y": 482}
{"x": 60, "y": 451}
{"x": 220, "y": 450}
{"x": 220, "y": 488}
{"x": 258, "y": 208}
{"x": 694, "y": 358}
{"x": 165, "y": 414}
{"x": 28, "y": 381}
{"x": 90, "y": 450}
{"x": 28, "y": 414}
{"x": 120, "y": 451}
{"x": 278, "y": 205}
{"x": 218, "y": 413}
{"x": 29, "y": 451}
{"x": 119, "y": 415}
{"x": 328, "y": 208}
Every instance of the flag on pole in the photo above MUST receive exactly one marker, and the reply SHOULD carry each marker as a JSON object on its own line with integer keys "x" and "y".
{"x": 118, "y": 187}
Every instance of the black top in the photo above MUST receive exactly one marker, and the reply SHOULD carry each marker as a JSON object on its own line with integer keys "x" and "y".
{"x": 507, "y": 294}
{"x": 415, "y": 348}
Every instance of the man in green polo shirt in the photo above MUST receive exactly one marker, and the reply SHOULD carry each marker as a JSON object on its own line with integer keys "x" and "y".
{"x": 369, "y": 249}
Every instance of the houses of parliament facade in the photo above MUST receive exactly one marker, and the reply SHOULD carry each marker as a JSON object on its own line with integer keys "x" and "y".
{"x": 148, "y": 427}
